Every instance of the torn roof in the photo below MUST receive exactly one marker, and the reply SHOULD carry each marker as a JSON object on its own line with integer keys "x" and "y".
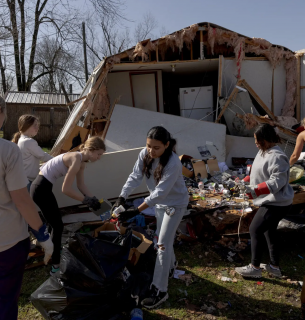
{"x": 205, "y": 25}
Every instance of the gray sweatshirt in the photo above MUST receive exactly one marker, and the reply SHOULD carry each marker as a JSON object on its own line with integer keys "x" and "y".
{"x": 171, "y": 189}
{"x": 272, "y": 168}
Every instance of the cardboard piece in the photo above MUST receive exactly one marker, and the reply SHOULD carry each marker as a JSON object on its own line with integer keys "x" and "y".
{"x": 213, "y": 166}
{"x": 134, "y": 254}
{"x": 77, "y": 130}
{"x": 198, "y": 165}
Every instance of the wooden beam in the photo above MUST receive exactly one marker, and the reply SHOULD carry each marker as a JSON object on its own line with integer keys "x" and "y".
{"x": 302, "y": 87}
{"x": 220, "y": 75}
{"x": 272, "y": 92}
{"x": 109, "y": 116}
{"x": 232, "y": 95}
{"x": 79, "y": 99}
{"x": 258, "y": 99}
{"x": 99, "y": 120}
{"x": 298, "y": 95}
{"x": 201, "y": 55}
{"x": 192, "y": 51}
{"x": 157, "y": 53}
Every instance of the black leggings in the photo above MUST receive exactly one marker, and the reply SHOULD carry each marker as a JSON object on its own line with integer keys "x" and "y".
{"x": 265, "y": 223}
{"x": 41, "y": 193}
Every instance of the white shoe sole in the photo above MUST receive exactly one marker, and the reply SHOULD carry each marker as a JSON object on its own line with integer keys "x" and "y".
{"x": 250, "y": 276}
{"x": 156, "y": 305}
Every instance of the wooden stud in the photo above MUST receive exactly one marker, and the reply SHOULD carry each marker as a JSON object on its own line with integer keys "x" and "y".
{"x": 157, "y": 53}
{"x": 302, "y": 87}
{"x": 220, "y": 75}
{"x": 232, "y": 95}
{"x": 272, "y": 92}
{"x": 73, "y": 102}
{"x": 258, "y": 99}
{"x": 298, "y": 95}
{"x": 192, "y": 56}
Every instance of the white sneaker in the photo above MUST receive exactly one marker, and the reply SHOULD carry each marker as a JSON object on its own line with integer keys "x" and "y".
{"x": 249, "y": 272}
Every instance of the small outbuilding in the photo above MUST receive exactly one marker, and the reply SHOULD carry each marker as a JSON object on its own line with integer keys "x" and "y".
{"x": 51, "y": 109}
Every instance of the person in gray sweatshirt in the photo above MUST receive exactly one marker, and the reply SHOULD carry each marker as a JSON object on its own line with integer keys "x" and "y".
{"x": 270, "y": 190}
{"x": 161, "y": 167}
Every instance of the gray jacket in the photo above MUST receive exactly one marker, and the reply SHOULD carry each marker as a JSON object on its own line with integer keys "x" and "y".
{"x": 272, "y": 168}
{"x": 171, "y": 189}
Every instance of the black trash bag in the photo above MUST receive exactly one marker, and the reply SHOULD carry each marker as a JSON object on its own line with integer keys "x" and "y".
{"x": 57, "y": 301}
{"x": 105, "y": 258}
{"x": 75, "y": 274}
{"x": 134, "y": 291}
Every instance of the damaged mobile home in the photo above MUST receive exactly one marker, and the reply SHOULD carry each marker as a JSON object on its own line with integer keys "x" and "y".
{"x": 206, "y": 84}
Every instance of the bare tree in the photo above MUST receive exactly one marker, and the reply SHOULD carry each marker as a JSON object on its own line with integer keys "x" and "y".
{"x": 144, "y": 28}
{"x": 62, "y": 66}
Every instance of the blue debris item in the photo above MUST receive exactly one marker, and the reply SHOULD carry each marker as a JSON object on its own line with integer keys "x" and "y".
{"x": 136, "y": 314}
{"x": 139, "y": 219}
{"x": 229, "y": 304}
{"x": 301, "y": 257}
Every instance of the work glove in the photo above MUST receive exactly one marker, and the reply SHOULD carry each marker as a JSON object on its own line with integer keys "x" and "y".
{"x": 255, "y": 191}
{"x": 128, "y": 214}
{"x": 43, "y": 237}
{"x": 246, "y": 180}
{"x": 120, "y": 202}
{"x": 92, "y": 202}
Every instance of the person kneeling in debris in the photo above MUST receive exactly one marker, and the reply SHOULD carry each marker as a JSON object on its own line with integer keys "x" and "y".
{"x": 70, "y": 165}
{"x": 161, "y": 167}
{"x": 270, "y": 189}
{"x": 17, "y": 210}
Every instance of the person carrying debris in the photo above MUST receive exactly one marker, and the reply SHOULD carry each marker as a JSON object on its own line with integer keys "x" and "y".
{"x": 17, "y": 210}
{"x": 299, "y": 144}
{"x": 270, "y": 189}
{"x": 32, "y": 154}
{"x": 162, "y": 169}
{"x": 71, "y": 165}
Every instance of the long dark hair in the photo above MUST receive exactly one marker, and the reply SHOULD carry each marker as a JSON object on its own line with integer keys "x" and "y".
{"x": 265, "y": 134}
{"x": 160, "y": 134}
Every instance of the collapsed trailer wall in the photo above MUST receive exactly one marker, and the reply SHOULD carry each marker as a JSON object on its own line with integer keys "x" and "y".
{"x": 129, "y": 127}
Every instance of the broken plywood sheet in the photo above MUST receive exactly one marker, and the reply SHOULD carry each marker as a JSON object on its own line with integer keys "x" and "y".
{"x": 129, "y": 127}
{"x": 105, "y": 177}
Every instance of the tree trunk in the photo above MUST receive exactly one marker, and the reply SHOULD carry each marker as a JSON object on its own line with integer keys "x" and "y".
{"x": 12, "y": 7}
{"x": 34, "y": 43}
{"x": 3, "y": 78}
{"x": 22, "y": 46}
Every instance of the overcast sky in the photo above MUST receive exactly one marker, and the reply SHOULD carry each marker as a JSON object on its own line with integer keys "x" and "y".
{"x": 278, "y": 21}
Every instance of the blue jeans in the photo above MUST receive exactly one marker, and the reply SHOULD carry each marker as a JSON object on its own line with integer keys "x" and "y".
{"x": 12, "y": 263}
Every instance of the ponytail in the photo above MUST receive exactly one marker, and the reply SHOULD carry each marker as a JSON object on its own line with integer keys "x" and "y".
{"x": 16, "y": 137}
{"x": 161, "y": 134}
{"x": 24, "y": 123}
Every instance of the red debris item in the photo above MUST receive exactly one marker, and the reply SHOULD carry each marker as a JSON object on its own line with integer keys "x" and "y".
{"x": 259, "y": 283}
{"x": 191, "y": 230}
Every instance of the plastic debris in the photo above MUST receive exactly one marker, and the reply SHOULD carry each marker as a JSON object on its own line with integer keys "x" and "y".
{"x": 178, "y": 273}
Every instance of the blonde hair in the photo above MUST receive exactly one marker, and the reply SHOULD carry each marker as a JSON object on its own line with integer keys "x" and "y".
{"x": 303, "y": 122}
{"x": 24, "y": 123}
{"x": 93, "y": 143}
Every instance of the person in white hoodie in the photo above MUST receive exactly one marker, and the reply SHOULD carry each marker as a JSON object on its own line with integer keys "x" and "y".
{"x": 268, "y": 186}
{"x": 32, "y": 154}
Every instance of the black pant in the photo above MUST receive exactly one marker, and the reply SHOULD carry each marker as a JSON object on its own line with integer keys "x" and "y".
{"x": 265, "y": 223}
{"x": 41, "y": 192}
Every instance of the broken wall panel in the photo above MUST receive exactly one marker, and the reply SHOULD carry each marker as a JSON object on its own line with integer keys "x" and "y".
{"x": 239, "y": 147}
{"x": 104, "y": 178}
{"x": 129, "y": 127}
{"x": 259, "y": 76}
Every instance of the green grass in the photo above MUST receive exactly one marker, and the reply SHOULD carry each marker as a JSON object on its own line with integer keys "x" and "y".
{"x": 46, "y": 149}
{"x": 275, "y": 299}
{"x": 1, "y": 134}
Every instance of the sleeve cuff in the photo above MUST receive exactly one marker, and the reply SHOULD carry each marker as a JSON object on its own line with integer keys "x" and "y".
{"x": 247, "y": 179}
{"x": 148, "y": 202}
{"x": 262, "y": 188}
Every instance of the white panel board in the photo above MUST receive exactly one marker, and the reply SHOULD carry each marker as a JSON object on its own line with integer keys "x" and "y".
{"x": 104, "y": 178}
{"x": 239, "y": 147}
{"x": 258, "y": 74}
{"x": 129, "y": 127}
